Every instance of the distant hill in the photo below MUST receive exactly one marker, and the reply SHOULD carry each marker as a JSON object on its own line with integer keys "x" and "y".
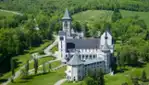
{"x": 33, "y": 6}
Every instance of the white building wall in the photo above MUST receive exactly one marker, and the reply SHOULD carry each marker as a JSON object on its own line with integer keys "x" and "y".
{"x": 109, "y": 40}
{"x": 68, "y": 28}
{"x": 62, "y": 48}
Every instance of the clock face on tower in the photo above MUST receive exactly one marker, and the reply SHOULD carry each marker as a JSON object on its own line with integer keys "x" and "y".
{"x": 65, "y": 24}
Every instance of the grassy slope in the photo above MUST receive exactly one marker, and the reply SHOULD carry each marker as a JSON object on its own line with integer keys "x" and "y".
{"x": 47, "y": 79}
{"x": 93, "y": 16}
{"x": 143, "y": 15}
{"x": 97, "y": 16}
{"x": 120, "y": 78}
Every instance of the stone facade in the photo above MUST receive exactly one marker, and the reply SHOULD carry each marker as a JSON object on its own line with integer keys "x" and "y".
{"x": 81, "y": 54}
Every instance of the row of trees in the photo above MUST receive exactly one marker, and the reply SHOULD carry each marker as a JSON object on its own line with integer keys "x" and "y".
{"x": 25, "y": 71}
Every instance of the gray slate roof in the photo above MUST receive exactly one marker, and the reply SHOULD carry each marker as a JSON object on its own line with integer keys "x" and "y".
{"x": 84, "y": 43}
{"x": 75, "y": 60}
{"x": 66, "y": 15}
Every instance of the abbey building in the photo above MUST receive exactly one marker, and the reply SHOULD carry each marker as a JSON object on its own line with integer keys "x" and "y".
{"x": 82, "y": 54}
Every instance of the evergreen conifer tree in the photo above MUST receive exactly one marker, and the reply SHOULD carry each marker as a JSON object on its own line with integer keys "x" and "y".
{"x": 36, "y": 65}
{"x": 143, "y": 77}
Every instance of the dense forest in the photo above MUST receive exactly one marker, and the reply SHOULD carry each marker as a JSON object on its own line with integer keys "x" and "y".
{"x": 18, "y": 32}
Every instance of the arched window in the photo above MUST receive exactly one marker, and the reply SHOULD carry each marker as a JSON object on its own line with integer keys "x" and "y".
{"x": 90, "y": 56}
{"x": 82, "y": 56}
{"x": 86, "y": 56}
{"x": 65, "y": 24}
{"x": 93, "y": 56}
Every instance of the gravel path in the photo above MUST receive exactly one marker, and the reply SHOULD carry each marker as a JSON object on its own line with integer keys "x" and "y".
{"x": 47, "y": 50}
{"x": 14, "y": 12}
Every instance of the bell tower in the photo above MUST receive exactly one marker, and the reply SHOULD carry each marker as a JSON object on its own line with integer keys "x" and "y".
{"x": 107, "y": 55}
{"x": 66, "y": 23}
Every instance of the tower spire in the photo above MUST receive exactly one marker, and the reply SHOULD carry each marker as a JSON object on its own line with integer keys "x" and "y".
{"x": 66, "y": 15}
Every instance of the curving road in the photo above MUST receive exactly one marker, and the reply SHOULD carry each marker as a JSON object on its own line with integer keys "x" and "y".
{"x": 47, "y": 50}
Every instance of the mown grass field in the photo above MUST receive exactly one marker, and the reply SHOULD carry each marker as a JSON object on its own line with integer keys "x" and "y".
{"x": 93, "y": 16}
{"x": 99, "y": 16}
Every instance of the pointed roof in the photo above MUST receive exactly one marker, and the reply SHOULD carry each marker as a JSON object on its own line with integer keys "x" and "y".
{"x": 108, "y": 30}
{"x": 75, "y": 60}
{"x": 66, "y": 15}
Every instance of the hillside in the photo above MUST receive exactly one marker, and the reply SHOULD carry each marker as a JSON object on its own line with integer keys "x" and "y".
{"x": 93, "y": 16}
{"x": 97, "y": 16}
{"x": 142, "y": 15}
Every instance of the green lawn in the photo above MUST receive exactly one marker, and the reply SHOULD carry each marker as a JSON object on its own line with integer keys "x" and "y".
{"x": 55, "y": 64}
{"x": 41, "y": 61}
{"x": 55, "y": 48}
{"x": 42, "y": 79}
